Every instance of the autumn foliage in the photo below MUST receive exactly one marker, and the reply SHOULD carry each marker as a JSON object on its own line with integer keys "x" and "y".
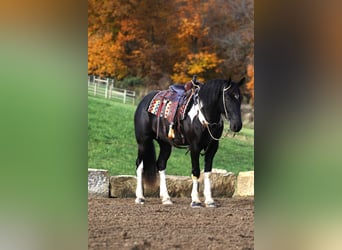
{"x": 161, "y": 41}
{"x": 250, "y": 84}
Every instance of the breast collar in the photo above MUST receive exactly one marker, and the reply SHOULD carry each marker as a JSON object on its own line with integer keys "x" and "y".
{"x": 196, "y": 110}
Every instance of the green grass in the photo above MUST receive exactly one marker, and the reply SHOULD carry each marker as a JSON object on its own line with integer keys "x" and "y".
{"x": 112, "y": 145}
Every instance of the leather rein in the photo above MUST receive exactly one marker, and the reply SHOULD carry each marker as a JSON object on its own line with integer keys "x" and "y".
{"x": 203, "y": 120}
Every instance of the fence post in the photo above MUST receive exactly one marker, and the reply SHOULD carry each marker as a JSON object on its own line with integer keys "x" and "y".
{"x": 110, "y": 90}
{"x": 95, "y": 84}
{"x": 106, "y": 90}
{"x": 124, "y": 98}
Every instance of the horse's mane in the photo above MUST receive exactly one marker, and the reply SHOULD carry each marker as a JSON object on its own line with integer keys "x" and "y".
{"x": 210, "y": 91}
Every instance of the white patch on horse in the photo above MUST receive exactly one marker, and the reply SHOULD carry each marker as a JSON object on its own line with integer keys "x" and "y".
{"x": 201, "y": 115}
{"x": 202, "y": 118}
{"x": 196, "y": 111}
{"x": 207, "y": 189}
{"x": 193, "y": 112}
{"x": 139, "y": 191}
{"x": 194, "y": 192}
{"x": 164, "y": 195}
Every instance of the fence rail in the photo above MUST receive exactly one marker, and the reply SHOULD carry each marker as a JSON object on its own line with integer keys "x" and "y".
{"x": 106, "y": 89}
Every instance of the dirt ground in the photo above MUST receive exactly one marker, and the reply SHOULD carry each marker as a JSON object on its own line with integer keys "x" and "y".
{"x": 115, "y": 223}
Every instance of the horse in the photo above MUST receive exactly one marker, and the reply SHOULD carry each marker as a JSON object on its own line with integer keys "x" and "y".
{"x": 200, "y": 130}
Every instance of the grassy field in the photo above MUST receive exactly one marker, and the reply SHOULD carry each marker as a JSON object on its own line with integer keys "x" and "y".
{"x": 112, "y": 145}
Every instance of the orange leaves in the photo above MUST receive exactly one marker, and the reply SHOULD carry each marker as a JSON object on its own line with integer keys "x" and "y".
{"x": 201, "y": 62}
{"x": 159, "y": 40}
{"x": 191, "y": 27}
{"x": 195, "y": 64}
{"x": 128, "y": 30}
{"x": 195, "y": 56}
{"x": 104, "y": 57}
{"x": 250, "y": 84}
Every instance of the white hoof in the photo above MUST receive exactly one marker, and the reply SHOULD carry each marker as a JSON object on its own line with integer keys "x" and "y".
{"x": 167, "y": 202}
{"x": 140, "y": 201}
{"x": 210, "y": 204}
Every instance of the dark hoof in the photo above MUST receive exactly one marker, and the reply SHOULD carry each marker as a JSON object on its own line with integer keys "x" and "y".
{"x": 211, "y": 204}
{"x": 195, "y": 204}
{"x": 140, "y": 201}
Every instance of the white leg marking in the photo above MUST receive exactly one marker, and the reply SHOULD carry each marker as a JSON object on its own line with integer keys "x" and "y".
{"x": 194, "y": 192}
{"x": 207, "y": 190}
{"x": 164, "y": 195}
{"x": 139, "y": 191}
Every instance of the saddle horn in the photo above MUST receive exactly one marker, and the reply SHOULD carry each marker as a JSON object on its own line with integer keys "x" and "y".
{"x": 194, "y": 81}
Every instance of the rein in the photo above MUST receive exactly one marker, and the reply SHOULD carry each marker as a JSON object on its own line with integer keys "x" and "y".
{"x": 206, "y": 123}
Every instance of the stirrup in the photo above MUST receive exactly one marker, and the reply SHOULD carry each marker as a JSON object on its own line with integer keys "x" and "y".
{"x": 171, "y": 134}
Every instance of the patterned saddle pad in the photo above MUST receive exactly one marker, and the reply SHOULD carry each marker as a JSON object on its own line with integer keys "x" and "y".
{"x": 166, "y": 103}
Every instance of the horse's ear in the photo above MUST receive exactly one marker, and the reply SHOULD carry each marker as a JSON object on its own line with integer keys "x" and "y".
{"x": 242, "y": 81}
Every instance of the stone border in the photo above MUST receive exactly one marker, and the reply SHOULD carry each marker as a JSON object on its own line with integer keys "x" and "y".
{"x": 98, "y": 182}
{"x": 224, "y": 184}
{"x": 245, "y": 184}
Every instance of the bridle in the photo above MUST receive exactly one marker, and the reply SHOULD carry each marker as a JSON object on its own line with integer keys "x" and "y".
{"x": 223, "y": 100}
{"x": 205, "y": 122}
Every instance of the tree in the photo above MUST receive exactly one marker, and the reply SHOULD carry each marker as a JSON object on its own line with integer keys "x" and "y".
{"x": 194, "y": 54}
{"x": 107, "y": 37}
{"x": 161, "y": 41}
{"x": 232, "y": 33}
{"x": 104, "y": 57}
{"x": 203, "y": 64}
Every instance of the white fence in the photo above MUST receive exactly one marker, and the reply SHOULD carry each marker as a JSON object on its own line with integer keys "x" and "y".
{"x": 105, "y": 88}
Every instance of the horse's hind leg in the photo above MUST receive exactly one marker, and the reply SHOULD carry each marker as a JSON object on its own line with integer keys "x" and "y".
{"x": 139, "y": 192}
{"x": 165, "y": 151}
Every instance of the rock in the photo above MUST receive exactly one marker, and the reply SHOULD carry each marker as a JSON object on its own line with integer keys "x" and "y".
{"x": 245, "y": 184}
{"x": 98, "y": 182}
{"x": 218, "y": 171}
{"x": 179, "y": 186}
{"x": 223, "y": 184}
{"x": 122, "y": 186}
{"x": 125, "y": 185}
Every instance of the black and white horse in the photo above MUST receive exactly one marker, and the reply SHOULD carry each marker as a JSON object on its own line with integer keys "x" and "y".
{"x": 200, "y": 130}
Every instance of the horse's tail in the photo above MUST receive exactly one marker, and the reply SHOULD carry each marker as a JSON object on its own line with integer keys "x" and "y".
{"x": 149, "y": 163}
{"x": 143, "y": 134}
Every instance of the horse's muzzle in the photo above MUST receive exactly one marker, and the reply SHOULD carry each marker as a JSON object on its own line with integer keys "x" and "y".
{"x": 235, "y": 126}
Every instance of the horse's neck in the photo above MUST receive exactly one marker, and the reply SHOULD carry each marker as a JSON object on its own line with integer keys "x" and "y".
{"x": 211, "y": 111}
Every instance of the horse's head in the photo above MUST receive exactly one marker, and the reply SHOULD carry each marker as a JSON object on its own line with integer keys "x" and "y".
{"x": 232, "y": 104}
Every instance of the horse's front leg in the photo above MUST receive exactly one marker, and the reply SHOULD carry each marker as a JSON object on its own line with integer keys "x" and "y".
{"x": 195, "y": 201}
{"x": 208, "y": 163}
{"x": 165, "y": 151}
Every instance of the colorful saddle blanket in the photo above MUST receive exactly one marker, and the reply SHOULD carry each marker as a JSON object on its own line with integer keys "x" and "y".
{"x": 166, "y": 103}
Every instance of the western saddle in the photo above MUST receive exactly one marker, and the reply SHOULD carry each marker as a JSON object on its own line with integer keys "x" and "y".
{"x": 172, "y": 104}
